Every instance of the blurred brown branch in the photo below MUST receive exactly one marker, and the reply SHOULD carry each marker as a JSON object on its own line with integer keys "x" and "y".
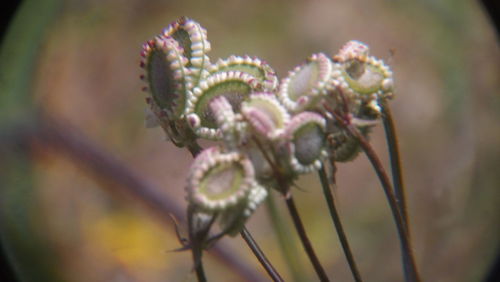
{"x": 47, "y": 133}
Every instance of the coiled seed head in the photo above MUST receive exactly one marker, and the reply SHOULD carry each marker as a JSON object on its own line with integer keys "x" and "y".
{"x": 306, "y": 132}
{"x": 306, "y": 84}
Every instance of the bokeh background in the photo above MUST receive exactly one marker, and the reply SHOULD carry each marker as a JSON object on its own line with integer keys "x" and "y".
{"x": 85, "y": 72}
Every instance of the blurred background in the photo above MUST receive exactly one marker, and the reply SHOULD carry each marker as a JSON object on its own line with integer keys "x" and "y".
{"x": 80, "y": 64}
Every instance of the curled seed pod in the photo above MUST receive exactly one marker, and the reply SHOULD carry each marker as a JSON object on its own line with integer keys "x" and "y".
{"x": 235, "y": 86}
{"x": 306, "y": 132}
{"x": 165, "y": 73}
{"x": 233, "y": 129}
{"x": 363, "y": 79}
{"x": 375, "y": 78}
{"x": 218, "y": 181}
{"x": 192, "y": 37}
{"x": 352, "y": 50}
{"x": 265, "y": 114}
{"x": 251, "y": 65}
{"x": 306, "y": 84}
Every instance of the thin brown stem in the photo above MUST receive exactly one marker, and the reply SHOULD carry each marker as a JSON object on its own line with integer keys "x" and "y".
{"x": 200, "y": 272}
{"x": 285, "y": 241}
{"x": 245, "y": 234}
{"x": 336, "y": 219}
{"x": 306, "y": 243}
{"x": 410, "y": 268}
{"x": 395, "y": 159}
{"x": 292, "y": 209}
{"x": 194, "y": 148}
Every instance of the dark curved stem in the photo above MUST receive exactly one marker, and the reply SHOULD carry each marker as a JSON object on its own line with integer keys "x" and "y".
{"x": 292, "y": 209}
{"x": 306, "y": 243}
{"x": 286, "y": 243}
{"x": 198, "y": 233}
{"x": 245, "y": 234}
{"x": 114, "y": 175}
{"x": 336, "y": 219}
{"x": 200, "y": 272}
{"x": 410, "y": 268}
{"x": 194, "y": 148}
{"x": 396, "y": 168}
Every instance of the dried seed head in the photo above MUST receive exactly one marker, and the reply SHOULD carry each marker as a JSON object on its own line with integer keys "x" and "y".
{"x": 251, "y": 65}
{"x": 352, "y": 50}
{"x": 192, "y": 37}
{"x": 375, "y": 78}
{"x": 306, "y": 84}
{"x": 266, "y": 115}
{"x": 363, "y": 79}
{"x": 306, "y": 132}
{"x": 218, "y": 181}
{"x": 235, "y": 86}
{"x": 165, "y": 73}
{"x": 224, "y": 184}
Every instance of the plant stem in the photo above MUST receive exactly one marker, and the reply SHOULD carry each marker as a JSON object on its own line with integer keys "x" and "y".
{"x": 306, "y": 243}
{"x": 290, "y": 203}
{"x": 200, "y": 272}
{"x": 396, "y": 168}
{"x": 245, "y": 234}
{"x": 336, "y": 219}
{"x": 410, "y": 268}
{"x": 194, "y": 148}
{"x": 198, "y": 233}
{"x": 286, "y": 243}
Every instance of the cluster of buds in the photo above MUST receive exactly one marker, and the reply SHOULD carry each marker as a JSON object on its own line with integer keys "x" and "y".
{"x": 268, "y": 132}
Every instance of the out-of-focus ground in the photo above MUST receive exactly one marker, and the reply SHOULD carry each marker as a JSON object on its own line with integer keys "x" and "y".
{"x": 445, "y": 58}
